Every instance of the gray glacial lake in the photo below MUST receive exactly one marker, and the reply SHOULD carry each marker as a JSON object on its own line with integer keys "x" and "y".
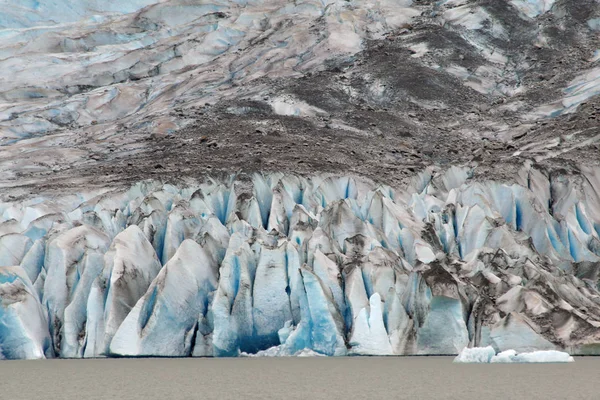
{"x": 319, "y": 378}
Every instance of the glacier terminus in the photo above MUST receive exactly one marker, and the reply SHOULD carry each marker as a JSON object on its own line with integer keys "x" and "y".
{"x": 335, "y": 265}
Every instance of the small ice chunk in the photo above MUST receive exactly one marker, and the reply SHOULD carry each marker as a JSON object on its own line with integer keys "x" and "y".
{"x": 283, "y": 351}
{"x": 308, "y": 353}
{"x": 504, "y": 357}
{"x": 488, "y": 355}
{"x": 545, "y": 356}
{"x": 475, "y": 355}
{"x": 275, "y": 351}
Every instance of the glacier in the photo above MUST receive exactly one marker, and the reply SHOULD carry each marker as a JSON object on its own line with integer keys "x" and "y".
{"x": 246, "y": 265}
{"x": 271, "y": 178}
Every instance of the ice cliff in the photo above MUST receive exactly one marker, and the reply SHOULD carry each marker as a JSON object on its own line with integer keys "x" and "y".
{"x": 335, "y": 265}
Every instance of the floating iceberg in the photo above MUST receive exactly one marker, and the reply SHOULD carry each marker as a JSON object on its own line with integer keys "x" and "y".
{"x": 475, "y": 355}
{"x": 278, "y": 351}
{"x": 542, "y": 356}
{"x": 485, "y": 355}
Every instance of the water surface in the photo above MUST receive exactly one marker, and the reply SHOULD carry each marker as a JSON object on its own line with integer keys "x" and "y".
{"x": 318, "y": 378}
